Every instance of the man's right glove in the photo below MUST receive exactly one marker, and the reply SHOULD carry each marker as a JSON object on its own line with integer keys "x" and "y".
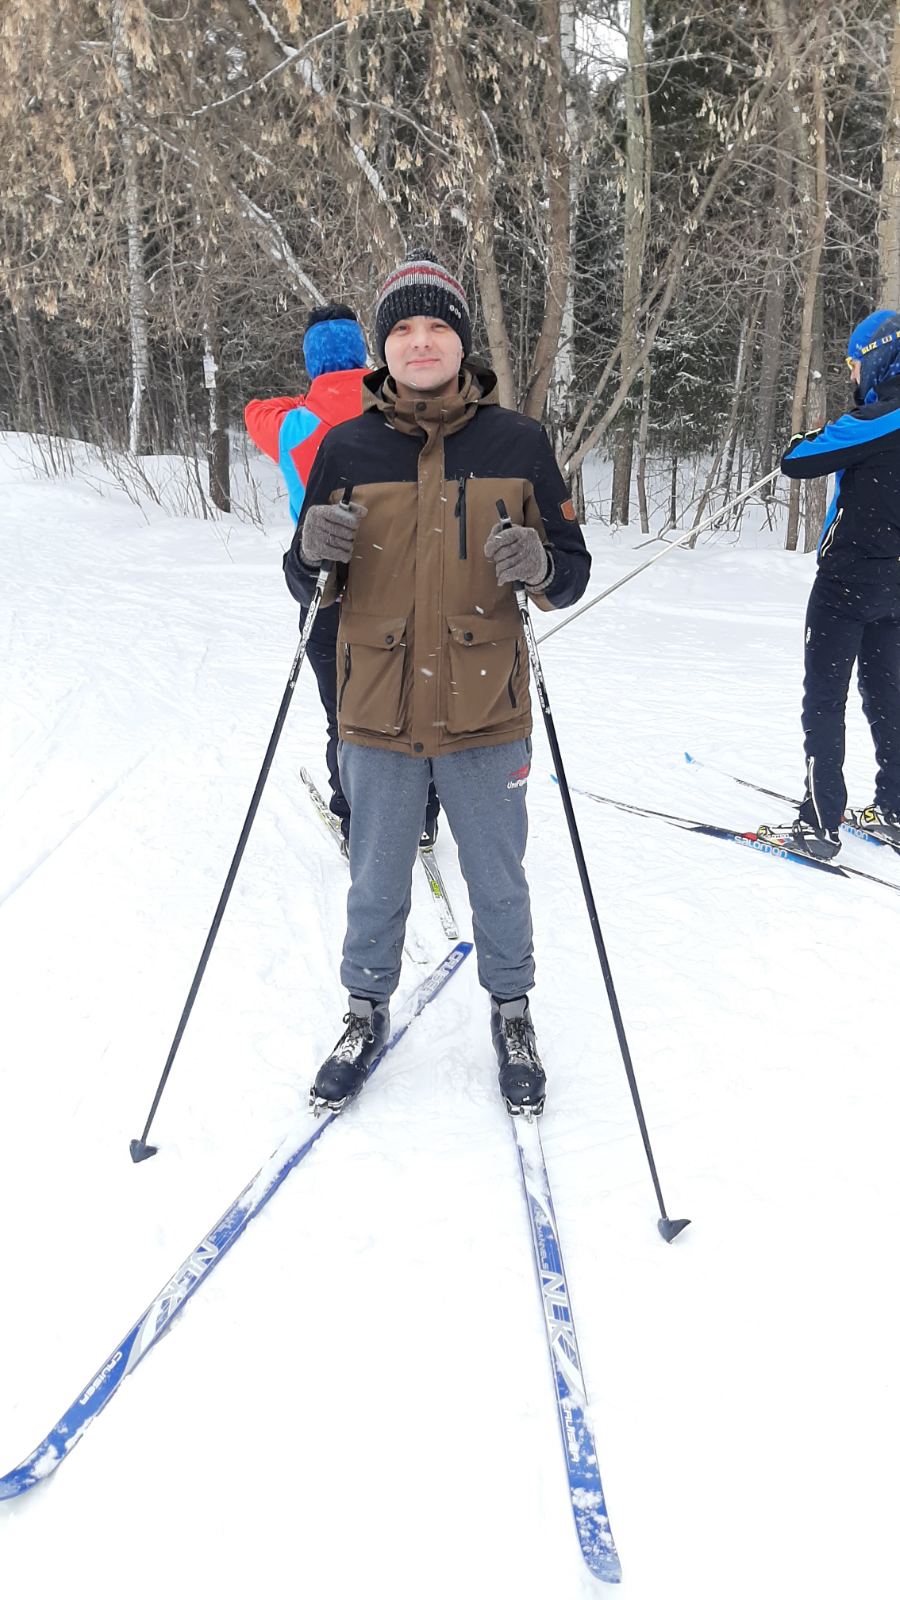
{"x": 328, "y": 532}
{"x": 519, "y": 555}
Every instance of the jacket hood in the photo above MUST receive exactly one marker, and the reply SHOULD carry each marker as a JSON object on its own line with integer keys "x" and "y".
{"x": 477, "y": 382}
{"x": 335, "y": 396}
{"x": 887, "y": 389}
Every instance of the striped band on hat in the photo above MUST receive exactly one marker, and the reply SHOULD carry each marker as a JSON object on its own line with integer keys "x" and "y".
{"x": 422, "y": 287}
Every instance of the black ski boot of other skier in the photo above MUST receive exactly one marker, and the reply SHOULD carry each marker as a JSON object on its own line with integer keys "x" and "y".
{"x": 822, "y": 843}
{"x": 522, "y": 1081}
{"x": 884, "y": 825}
{"x": 342, "y": 1075}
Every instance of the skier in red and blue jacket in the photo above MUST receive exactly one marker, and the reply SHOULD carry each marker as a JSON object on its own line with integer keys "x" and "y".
{"x": 289, "y": 429}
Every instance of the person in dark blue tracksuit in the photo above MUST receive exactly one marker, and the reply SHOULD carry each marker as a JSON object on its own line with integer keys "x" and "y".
{"x": 854, "y": 607}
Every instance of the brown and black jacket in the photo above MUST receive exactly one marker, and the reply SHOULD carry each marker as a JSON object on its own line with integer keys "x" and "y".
{"x": 431, "y": 657}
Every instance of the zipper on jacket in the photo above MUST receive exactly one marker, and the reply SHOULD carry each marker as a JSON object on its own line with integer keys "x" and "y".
{"x": 509, "y": 685}
{"x": 346, "y": 678}
{"x": 461, "y": 514}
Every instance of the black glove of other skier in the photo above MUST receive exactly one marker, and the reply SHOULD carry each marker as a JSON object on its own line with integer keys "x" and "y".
{"x": 798, "y": 438}
{"x": 328, "y": 532}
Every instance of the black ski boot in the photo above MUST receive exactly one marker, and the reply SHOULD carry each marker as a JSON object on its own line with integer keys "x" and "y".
{"x": 522, "y": 1082}
{"x": 803, "y": 838}
{"x": 340, "y": 1077}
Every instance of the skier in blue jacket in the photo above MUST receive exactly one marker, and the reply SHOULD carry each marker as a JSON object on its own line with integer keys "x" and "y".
{"x": 854, "y": 607}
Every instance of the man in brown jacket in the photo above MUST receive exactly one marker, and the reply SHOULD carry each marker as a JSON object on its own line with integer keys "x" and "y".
{"x": 432, "y": 663}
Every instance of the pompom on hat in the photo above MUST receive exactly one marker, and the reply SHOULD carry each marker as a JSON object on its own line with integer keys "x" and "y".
{"x": 333, "y": 341}
{"x": 421, "y": 286}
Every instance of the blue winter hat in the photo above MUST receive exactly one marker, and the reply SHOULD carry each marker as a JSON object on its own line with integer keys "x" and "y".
{"x": 875, "y": 344}
{"x": 333, "y": 341}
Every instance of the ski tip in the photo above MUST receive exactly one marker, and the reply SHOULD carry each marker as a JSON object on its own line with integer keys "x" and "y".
{"x": 670, "y": 1230}
{"x": 141, "y": 1151}
{"x": 608, "y": 1570}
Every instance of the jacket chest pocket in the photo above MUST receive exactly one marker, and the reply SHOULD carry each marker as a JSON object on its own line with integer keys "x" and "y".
{"x": 487, "y": 676}
{"x": 371, "y": 653}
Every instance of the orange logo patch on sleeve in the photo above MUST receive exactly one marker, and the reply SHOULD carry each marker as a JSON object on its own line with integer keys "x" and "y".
{"x": 568, "y": 510}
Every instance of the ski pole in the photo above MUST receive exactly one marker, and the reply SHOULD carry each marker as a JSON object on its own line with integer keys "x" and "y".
{"x": 667, "y": 1227}
{"x": 140, "y": 1149}
{"x": 689, "y": 533}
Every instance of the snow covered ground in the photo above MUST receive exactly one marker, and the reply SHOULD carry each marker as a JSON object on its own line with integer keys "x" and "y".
{"x": 358, "y": 1403}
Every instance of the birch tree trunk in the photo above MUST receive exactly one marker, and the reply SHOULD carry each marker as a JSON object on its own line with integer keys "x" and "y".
{"x": 815, "y": 193}
{"x": 774, "y": 289}
{"x": 138, "y": 293}
{"x": 643, "y": 435}
{"x": 564, "y": 370}
{"x": 559, "y": 236}
{"x": 636, "y": 158}
{"x": 218, "y": 453}
{"x": 889, "y": 220}
{"x": 816, "y": 498}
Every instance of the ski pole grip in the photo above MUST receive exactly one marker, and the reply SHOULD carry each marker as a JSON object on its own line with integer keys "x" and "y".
{"x": 325, "y": 567}
{"x": 506, "y": 522}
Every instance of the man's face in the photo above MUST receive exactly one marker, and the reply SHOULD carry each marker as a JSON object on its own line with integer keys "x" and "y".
{"x": 855, "y": 369}
{"x": 423, "y": 355}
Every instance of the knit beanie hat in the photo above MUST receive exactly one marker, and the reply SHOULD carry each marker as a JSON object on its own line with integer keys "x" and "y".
{"x": 333, "y": 341}
{"x": 875, "y": 344}
{"x": 421, "y": 287}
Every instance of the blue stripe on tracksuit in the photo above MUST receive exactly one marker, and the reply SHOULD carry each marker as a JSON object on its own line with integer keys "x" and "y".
{"x": 851, "y": 433}
{"x": 298, "y": 425}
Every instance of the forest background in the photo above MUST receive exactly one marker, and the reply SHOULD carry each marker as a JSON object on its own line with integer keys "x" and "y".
{"x": 667, "y": 216}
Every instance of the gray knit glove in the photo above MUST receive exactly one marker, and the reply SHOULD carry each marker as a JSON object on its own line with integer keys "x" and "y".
{"x": 328, "y": 532}
{"x": 519, "y": 555}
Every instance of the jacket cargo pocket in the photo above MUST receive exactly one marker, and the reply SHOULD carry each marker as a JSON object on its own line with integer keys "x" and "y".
{"x": 486, "y": 680}
{"x": 371, "y": 653}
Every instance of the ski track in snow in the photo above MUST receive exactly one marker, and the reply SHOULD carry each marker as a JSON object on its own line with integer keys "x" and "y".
{"x": 359, "y": 1402}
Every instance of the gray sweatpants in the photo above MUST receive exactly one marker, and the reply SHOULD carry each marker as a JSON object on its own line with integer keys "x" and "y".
{"x": 483, "y": 796}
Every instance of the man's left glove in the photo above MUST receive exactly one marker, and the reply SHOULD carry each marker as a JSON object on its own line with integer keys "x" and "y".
{"x": 519, "y": 555}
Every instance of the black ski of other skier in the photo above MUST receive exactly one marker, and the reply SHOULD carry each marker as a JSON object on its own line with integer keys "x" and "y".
{"x": 775, "y": 794}
{"x": 750, "y": 839}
